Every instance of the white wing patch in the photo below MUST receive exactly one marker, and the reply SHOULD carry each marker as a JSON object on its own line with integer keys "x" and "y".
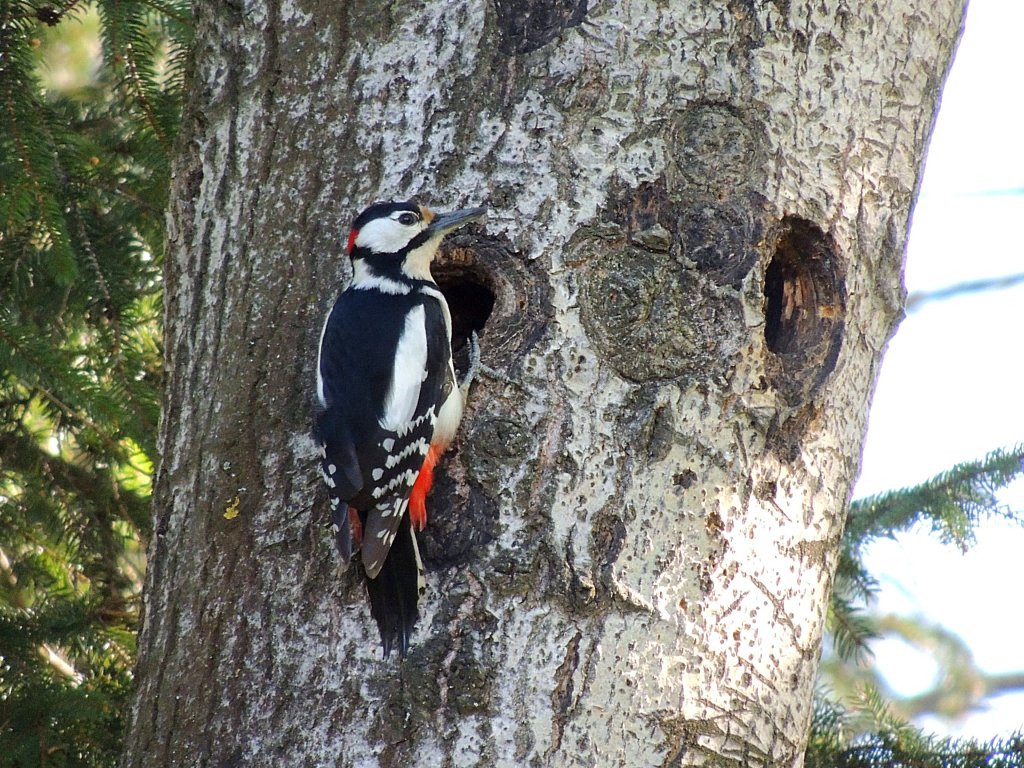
{"x": 435, "y": 293}
{"x": 319, "y": 372}
{"x": 406, "y": 372}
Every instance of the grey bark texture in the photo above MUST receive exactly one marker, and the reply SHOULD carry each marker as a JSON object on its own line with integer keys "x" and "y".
{"x": 690, "y": 269}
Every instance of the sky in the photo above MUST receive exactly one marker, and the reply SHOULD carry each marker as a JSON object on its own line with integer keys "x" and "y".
{"x": 951, "y": 382}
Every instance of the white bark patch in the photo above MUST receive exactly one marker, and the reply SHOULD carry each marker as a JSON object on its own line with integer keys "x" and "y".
{"x": 469, "y": 744}
{"x": 531, "y": 643}
{"x": 396, "y": 125}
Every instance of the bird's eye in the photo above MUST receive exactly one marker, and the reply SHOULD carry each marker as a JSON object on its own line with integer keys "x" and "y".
{"x": 408, "y": 219}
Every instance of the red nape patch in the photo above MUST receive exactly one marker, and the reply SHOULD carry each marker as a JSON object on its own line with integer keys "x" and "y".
{"x": 425, "y": 479}
{"x": 352, "y": 239}
{"x": 356, "y": 525}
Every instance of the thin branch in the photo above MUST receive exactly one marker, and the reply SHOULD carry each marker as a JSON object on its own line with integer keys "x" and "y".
{"x": 948, "y": 703}
{"x": 918, "y": 298}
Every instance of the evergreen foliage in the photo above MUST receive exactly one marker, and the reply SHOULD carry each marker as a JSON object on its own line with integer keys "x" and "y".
{"x": 861, "y": 730}
{"x": 951, "y": 505}
{"x": 894, "y": 744}
{"x": 83, "y": 187}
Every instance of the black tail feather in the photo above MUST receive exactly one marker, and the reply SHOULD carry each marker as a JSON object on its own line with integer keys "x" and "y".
{"x": 342, "y": 529}
{"x": 394, "y": 593}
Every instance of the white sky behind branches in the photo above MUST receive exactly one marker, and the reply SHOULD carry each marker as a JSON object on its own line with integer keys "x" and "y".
{"x": 952, "y": 382}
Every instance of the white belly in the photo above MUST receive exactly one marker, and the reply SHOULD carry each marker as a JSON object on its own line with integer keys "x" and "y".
{"x": 449, "y": 416}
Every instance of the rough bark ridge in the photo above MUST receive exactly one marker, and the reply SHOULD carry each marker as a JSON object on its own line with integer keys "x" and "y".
{"x": 693, "y": 253}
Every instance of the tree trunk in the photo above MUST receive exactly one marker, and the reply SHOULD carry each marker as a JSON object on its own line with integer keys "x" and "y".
{"x": 687, "y": 278}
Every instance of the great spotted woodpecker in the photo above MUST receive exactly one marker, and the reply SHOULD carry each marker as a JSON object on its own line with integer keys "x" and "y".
{"x": 389, "y": 403}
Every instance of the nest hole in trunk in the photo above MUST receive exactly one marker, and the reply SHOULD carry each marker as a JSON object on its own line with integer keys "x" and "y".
{"x": 804, "y": 306}
{"x": 470, "y": 298}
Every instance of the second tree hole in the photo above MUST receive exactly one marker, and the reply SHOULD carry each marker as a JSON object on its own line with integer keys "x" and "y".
{"x": 804, "y": 306}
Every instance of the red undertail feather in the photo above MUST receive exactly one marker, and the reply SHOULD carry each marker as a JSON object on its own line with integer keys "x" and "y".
{"x": 357, "y": 526}
{"x": 425, "y": 479}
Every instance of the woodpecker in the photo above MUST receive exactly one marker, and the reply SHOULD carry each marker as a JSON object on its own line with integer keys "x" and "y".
{"x": 388, "y": 402}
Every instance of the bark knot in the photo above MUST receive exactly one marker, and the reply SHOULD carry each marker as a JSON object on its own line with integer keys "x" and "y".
{"x": 659, "y": 279}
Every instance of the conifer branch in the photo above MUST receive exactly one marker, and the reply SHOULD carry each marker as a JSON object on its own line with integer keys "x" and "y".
{"x": 83, "y": 183}
{"x": 953, "y": 501}
{"x": 168, "y": 10}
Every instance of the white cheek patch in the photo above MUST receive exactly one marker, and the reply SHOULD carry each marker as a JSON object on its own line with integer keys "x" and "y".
{"x": 386, "y": 235}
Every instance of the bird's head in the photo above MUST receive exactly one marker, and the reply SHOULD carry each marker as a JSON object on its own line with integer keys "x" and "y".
{"x": 398, "y": 241}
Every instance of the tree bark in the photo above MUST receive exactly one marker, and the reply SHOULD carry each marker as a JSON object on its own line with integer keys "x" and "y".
{"x": 690, "y": 269}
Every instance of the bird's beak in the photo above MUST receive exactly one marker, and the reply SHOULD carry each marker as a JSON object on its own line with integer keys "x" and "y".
{"x": 443, "y": 223}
